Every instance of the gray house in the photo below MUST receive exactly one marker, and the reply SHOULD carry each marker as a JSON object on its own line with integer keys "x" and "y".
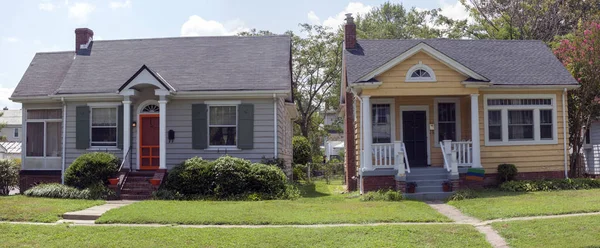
{"x": 156, "y": 102}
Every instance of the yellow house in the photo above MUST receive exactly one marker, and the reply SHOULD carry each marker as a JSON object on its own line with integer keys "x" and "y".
{"x": 425, "y": 111}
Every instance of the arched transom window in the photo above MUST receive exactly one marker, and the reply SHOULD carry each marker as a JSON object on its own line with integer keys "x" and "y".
{"x": 150, "y": 108}
{"x": 420, "y": 73}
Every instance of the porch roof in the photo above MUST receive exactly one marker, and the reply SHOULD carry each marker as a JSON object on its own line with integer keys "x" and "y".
{"x": 503, "y": 62}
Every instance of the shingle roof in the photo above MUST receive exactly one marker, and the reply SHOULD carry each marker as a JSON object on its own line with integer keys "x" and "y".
{"x": 11, "y": 117}
{"x": 503, "y": 62}
{"x": 187, "y": 63}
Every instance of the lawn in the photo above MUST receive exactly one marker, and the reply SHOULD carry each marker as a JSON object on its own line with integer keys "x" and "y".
{"x": 23, "y": 208}
{"x": 496, "y": 204}
{"x": 583, "y": 231}
{"x": 322, "y": 204}
{"x": 381, "y": 236}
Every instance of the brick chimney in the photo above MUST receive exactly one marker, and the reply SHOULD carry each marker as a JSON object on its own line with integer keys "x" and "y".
{"x": 82, "y": 37}
{"x": 349, "y": 32}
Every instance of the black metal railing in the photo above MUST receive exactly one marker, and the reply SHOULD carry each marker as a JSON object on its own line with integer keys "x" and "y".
{"x": 126, "y": 163}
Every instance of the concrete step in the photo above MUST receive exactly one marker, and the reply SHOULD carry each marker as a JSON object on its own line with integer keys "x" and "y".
{"x": 142, "y": 173}
{"x": 428, "y": 196}
{"x": 429, "y": 189}
{"x": 137, "y": 184}
{"x": 437, "y": 176}
{"x": 435, "y": 182}
{"x": 430, "y": 170}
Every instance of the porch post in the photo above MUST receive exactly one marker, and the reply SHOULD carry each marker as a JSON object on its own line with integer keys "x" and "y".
{"x": 163, "y": 132}
{"x": 367, "y": 133}
{"x": 126, "y": 125}
{"x": 475, "y": 130}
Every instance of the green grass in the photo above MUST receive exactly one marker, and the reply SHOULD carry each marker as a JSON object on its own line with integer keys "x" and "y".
{"x": 582, "y": 231}
{"x": 381, "y": 236}
{"x": 320, "y": 205}
{"x": 23, "y": 208}
{"x": 497, "y": 204}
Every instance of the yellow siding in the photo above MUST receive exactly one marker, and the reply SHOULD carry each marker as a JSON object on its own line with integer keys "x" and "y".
{"x": 449, "y": 81}
{"x": 527, "y": 158}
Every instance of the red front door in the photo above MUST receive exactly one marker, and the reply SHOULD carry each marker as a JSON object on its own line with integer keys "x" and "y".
{"x": 149, "y": 142}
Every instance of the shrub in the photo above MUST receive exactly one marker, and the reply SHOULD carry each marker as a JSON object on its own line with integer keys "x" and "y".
{"x": 506, "y": 172}
{"x": 226, "y": 178}
{"x": 301, "y": 149}
{"x": 463, "y": 194}
{"x": 382, "y": 195}
{"x": 550, "y": 185}
{"x": 55, "y": 190}
{"x": 279, "y": 162}
{"x": 90, "y": 169}
{"x": 299, "y": 172}
{"x": 165, "y": 194}
{"x": 9, "y": 175}
{"x": 192, "y": 177}
{"x": 332, "y": 168}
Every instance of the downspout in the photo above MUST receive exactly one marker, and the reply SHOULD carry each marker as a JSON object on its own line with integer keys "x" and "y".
{"x": 276, "y": 137}
{"x": 565, "y": 131}
{"x": 64, "y": 140}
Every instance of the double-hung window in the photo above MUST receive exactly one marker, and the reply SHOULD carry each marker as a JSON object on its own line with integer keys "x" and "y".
{"x": 520, "y": 120}
{"x": 44, "y": 133}
{"x": 103, "y": 127}
{"x": 382, "y": 120}
{"x": 222, "y": 125}
{"x": 16, "y": 133}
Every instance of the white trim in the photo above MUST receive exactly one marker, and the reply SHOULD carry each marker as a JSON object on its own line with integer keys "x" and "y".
{"x": 536, "y": 123}
{"x": 221, "y": 104}
{"x": 417, "y": 108}
{"x": 457, "y": 114}
{"x": 392, "y": 103}
{"x": 162, "y": 127}
{"x": 275, "y": 122}
{"x": 522, "y": 87}
{"x": 64, "y": 143}
{"x": 103, "y": 104}
{"x": 431, "y": 52}
{"x": 145, "y": 103}
{"x": 17, "y": 132}
{"x": 44, "y": 135}
{"x": 420, "y": 66}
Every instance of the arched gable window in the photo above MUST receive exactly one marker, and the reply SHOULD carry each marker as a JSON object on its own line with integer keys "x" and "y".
{"x": 420, "y": 73}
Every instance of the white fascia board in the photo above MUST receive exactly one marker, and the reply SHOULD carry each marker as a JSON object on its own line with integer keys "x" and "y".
{"x": 431, "y": 52}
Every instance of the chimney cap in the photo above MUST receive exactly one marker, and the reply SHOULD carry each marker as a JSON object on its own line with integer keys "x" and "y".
{"x": 84, "y": 30}
{"x": 349, "y": 18}
{"x": 5, "y": 108}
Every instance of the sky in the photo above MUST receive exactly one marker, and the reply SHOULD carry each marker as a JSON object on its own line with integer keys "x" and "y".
{"x": 31, "y": 26}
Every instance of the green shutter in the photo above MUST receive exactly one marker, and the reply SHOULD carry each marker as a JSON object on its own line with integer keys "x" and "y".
{"x": 121, "y": 117}
{"x": 82, "y": 127}
{"x": 199, "y": 126}
{"x": 245, "y": 126}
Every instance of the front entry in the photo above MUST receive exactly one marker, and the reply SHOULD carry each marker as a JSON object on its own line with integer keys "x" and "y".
{"x": 414, "y": 136}
{"x": 149, "y": 142}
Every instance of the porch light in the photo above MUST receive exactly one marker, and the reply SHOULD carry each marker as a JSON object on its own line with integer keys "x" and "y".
{"x": 134, "y": 124}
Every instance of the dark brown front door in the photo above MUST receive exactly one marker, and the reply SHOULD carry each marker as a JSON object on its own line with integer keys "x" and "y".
{"x": 149, "y": 142}
{"x": 414, "y": 136}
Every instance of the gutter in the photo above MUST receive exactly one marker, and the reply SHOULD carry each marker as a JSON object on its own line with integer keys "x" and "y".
{"x": 64, "y": 141}
{"x": 565, "y": 132}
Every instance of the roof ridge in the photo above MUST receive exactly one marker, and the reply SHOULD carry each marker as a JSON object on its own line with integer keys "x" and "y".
{"x": 195, "y": 37}
{"x": 446, "y": 39}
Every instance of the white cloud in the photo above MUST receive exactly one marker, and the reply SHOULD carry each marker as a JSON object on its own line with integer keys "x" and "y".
{"x": 11, "y": 39}
{"x": 80, "y": 11}
{"x": 46, "y": 6}
{"x": 5, "y": 93}
{"x": 454, "y": 11}
{"x": 356, "y": 8}
{"x": 313, "y": 18}
{"x": 120, "y": 5}
{"x": 198, "y": 26}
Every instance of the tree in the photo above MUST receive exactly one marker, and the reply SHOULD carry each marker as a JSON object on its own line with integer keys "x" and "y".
{"x": 527, "y": 19}
{"x": 581, "y": 55}
{"x": 393, "y": 21}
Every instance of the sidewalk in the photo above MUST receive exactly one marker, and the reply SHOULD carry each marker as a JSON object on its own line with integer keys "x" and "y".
{"x": 93, "y": 213}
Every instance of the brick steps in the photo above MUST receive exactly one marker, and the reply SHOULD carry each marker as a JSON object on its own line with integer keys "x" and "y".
{"x": 137, "y": 186}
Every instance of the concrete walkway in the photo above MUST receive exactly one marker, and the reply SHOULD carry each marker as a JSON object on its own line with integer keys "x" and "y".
{"x": 93, "y": 213}
{"x": 457, "y": 216}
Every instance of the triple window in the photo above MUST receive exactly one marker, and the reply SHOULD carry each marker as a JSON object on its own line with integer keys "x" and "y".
{"x": 520, "y": 121}
{"x": 44, "y": 133}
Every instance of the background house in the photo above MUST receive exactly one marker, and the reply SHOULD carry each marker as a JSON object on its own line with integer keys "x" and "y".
{"x": 12, "y": 132}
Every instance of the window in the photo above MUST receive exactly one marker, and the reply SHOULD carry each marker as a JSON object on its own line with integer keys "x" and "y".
{"x": 588, "y": 139}
{"x": 446, "y": 121}
{"x": 222, "y": 125}
{"x": 16, "y": 133}
{"x": 44, "y": 133}
{"x": 420, "y": 73}
{"x": 382, "y": 126}
{"x": 520, "y": 125}
{"x": 520, "y": 119}
{"x": 104, "y": 127}
{"x": 495, "y": 125}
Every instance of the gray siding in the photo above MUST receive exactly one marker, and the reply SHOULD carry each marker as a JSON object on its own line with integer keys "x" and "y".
{"x": 9, "y": 130}
{"x": 592, "y": 151}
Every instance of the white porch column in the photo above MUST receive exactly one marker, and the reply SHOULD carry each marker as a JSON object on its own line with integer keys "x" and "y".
{"x": 126, "y": 126}
{"x": 367, "y": 133}
{"x": 163, "y": 132}
{"x": 475, "y": 130}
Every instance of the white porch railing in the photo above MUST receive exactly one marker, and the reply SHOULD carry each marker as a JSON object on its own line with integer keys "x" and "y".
{"x": 464, "y": 152}
{"x": 390, "y": 155}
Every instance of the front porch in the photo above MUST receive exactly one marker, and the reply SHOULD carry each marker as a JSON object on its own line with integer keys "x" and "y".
{"x": 408, "y": 134}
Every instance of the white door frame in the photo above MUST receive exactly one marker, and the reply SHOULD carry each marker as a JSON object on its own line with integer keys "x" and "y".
{"x": 417, "y": 108}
